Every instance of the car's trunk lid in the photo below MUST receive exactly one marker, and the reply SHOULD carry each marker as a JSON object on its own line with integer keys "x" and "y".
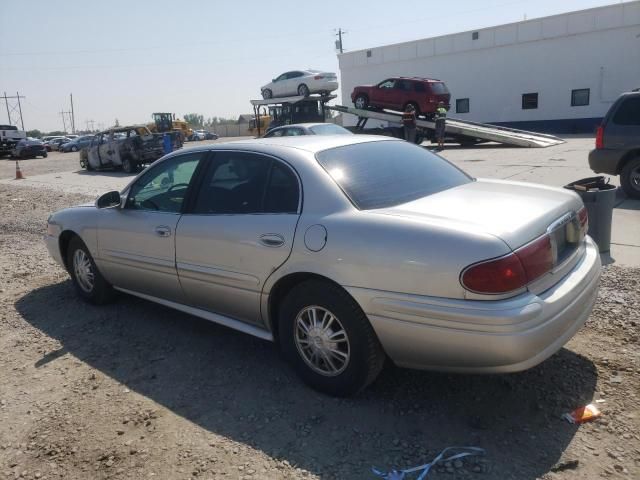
{"x": 515, "y": 212}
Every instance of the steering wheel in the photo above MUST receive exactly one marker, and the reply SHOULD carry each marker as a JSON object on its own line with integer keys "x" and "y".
{"x": 177, "y": 185}
{"x": 150, "y": 203}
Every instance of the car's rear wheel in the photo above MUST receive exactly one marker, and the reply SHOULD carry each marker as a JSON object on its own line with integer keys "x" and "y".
{"x": 87, "y": 279}
{"x": 630, "y": 178}
{"x": 361, "y": 102}
{"x": 128, "y": 165}
{"x": 328, "y": 339}
{"x": 266, "y": 94}
{"x": 303, "y": 90}
{"x": 74, "y": 148}
{"x": 44, "y": 155}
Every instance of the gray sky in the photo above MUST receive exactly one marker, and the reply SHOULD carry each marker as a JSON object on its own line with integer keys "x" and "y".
{"x": 127, "y": 59}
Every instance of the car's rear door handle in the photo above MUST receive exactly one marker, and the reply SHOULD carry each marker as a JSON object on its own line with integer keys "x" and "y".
{"x": 163, "y": 231}
{"x": 272, "y": 240}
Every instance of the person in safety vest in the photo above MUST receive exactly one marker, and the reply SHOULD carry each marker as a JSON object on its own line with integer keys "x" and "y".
{"x": 441, "y": 119}
{"x": 409, "y": 123}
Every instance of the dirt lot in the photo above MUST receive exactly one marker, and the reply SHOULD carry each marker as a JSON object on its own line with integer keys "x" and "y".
{"x": 135, "y": 390}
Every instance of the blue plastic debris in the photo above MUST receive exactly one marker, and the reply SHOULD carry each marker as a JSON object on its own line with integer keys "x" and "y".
{"x": 424, "y": 469}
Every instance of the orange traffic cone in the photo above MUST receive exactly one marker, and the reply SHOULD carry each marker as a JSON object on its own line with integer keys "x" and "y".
{"x": 19, "y": 175}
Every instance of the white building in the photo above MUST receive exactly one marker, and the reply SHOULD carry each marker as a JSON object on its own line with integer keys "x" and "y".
{"x": 559, "y": 73}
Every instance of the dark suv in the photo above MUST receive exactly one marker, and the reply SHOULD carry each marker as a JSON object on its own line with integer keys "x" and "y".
{"x": 617, "y": 149}
{"x": 398, "y": 92}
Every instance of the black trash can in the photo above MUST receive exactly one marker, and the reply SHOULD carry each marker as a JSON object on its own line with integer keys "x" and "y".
{"x": 599, "y": 198}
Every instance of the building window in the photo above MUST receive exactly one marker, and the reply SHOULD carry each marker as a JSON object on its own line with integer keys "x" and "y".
{"x": 368, "y": 53}
{"x": 529, "y": 101}
{"x": 475, "y": 35}
{"x": 580, "y": 97}
{"x": 462, "y": 105}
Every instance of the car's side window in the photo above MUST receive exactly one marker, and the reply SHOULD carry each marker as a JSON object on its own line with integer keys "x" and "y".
{"x": 282, "y": 194}
{"x": 294, "y": 132}
{"x": 277, "y": 133}
{"x": 164, "y": 186}
{"x": 235, "y": 183}
{"x": 387, "y": 84}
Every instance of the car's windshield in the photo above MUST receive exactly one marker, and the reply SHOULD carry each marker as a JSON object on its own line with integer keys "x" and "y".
{"x": 387, "y": 173}
{"x": 329, "y": 129}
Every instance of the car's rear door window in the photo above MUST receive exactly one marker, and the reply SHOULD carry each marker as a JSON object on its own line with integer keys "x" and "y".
{"x": 386, "y": 173}
{"x": 628, "y": 113}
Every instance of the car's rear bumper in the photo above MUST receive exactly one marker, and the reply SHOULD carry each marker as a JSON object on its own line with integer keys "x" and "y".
{"x": 483, "y": 336}
{"x": 605, "y": 160}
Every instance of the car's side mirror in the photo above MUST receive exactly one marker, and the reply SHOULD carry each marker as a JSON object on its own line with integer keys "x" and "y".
{"x": 108, "y": 200}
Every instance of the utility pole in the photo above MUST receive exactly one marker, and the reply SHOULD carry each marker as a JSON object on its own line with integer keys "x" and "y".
{"x": 339, "y": 41}
{"x": 14, "y": 111}
{"x": 89, "y": 122}
{"x": 73, "y": 116}
{"x": 64, "y": 119}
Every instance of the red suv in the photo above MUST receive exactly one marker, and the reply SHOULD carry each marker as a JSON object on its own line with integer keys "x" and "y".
{"x": 398, "y": 92}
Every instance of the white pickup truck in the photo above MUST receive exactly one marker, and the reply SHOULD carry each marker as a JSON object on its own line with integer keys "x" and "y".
{"x": 9, "y": 137}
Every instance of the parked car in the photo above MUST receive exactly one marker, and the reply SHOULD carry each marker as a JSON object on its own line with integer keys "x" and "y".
{"x": 210, "y": 136}
{"x": 198, "y": 135}
{"x": 397, "y": 93}
{"x": 48, "y": 144}
{"x": 9, "y": 138}
{"x": 57, "y": 143}
{"x": 29, "y": 148}
{"x": 345, "y": 250}
{"x": 300, "y": 82}
{"x": 123, "y": 147}
{"x": 77, "y": 144}
{"x": 617, "y": 149}
{"x": 298, "y": 129}
{"x": 72, "y": 136}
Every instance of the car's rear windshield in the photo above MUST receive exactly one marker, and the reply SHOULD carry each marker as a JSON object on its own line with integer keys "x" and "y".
{"x": 387, "y": 173}
{"x": 439, "y": 88}
{"x": 329, "y": 129}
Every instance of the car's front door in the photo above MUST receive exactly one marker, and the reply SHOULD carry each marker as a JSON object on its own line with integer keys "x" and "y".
{"x": 239, "y": 231}
{"x": 381, "y": 95}
{"x": 280, "y": 85}
{"x": 136, "y": 243}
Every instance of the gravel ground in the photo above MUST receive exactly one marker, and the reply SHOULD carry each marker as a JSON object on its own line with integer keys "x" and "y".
{"x": 135, "y": 390}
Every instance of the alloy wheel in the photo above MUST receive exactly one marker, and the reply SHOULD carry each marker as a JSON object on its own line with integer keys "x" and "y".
{"x": 322, "y": 341}
{"x": 83, "y": 270}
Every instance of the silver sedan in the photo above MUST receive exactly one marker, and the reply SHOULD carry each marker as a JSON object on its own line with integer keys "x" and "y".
{"x": 346, "y": 251}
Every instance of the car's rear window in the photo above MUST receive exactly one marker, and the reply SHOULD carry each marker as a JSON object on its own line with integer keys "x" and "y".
{"x": 329, "y": 129}
{"x": 629, "y": 112}
{"x": 439, "y": 88}
{"x": 387, "y": 173}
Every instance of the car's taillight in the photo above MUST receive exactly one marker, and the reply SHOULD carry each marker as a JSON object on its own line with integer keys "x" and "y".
{"x": 600, "y": 137}
{"x": 583, "y": 218}
{"x": 511, "y": 272}
{"x": 318, "y": 77}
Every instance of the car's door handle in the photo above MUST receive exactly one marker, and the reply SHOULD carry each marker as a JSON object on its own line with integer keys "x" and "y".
{"x": 163, "y": 231}
{"x": 272, "y": 240}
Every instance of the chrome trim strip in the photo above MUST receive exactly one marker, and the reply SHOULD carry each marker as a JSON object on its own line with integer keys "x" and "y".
{"x": 212, "y": 317}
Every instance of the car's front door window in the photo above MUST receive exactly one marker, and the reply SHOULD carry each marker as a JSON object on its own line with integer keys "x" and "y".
{"x": 163, "y": 188}
{"x": 387, "y": 84}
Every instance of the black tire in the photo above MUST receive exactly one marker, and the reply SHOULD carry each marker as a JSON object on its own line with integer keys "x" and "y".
{"x": 74, "y": 148}
{"x": 44, "y": 155}
{"x": 303, "y": 90}
{"x": 128, "y": 165}
{"x": 266, "y": 94}
{"x": 101, "y": 291}
{"x": 366, "y": 357}
{"x": 630, "y": 178}
{"x": 361, "y": 102}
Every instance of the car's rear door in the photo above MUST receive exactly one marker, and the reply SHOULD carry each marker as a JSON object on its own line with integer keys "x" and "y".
{"x": 94, "y": 150}
{"x": 136, "y": 243}
{"x": 237, "y": 232}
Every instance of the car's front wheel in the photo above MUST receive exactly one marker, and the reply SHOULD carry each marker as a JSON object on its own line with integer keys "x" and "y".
{"x": 303, "y": 90}
{"x": 74, "y": 149}
{"x": 128, "y": 165}
{"x": 361, "y": 102}
{"x": 328, "y": 339}
{"x": 630, "y": 178}
{"x": 44, "y": 155}
{"x": 87, "y": 279}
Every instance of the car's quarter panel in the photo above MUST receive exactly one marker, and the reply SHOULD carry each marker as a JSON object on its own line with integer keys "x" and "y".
{"x": 223, "y": 263}
{"x": 135, "y": 256}
{"x": 499, "y": 336}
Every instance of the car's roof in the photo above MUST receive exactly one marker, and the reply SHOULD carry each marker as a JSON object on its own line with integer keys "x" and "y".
{"x": 309, "y": 143}
{"x": 303, "y": 125}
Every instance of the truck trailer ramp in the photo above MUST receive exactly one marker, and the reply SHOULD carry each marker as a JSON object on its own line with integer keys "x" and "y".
{"x": 462, "y": 129}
